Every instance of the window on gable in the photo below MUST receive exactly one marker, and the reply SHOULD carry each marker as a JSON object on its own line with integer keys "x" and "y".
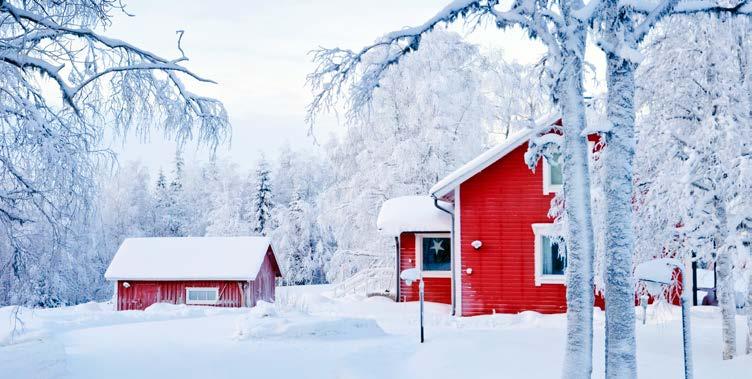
{"x": 201, "y": 295}
{"x": 434, "y": 254}
{"x": 550, "y": 255}
{"x": 552, "y": 176}
{"x": 556, "y": 178}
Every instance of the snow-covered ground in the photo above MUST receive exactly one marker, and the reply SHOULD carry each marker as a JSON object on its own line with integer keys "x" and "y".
{"x": 308, "y": 334}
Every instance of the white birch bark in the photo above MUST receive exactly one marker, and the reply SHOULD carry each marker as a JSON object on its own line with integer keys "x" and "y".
{"x": 618, "y": 155}
{"x": 727, "y": 303}
{"x": 748, "y": 307}
{"x": 576, "y": 187}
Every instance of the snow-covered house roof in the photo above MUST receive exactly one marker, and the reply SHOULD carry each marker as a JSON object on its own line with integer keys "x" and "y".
{"x": 189, "y": 258}
{"x": 659, "y": 270}
{"x": 413, "y": 214}
{"x": 481, "y": 162}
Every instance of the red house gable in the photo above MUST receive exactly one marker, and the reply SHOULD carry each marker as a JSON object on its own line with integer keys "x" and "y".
{"x": 499, "y": 206}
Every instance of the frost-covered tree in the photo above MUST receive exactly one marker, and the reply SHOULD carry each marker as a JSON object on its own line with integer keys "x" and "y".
{"x": 620, "y": 27}
{"x": 261, "y": 210}
{"x": 223, "y": 209}
{"x": 298, "y": 179}
{"x": 418, "y": 129}
{"x": 529, "y": 101}
{"x": 170, "y": 209}
{"x": 62, "y": 83}
{"x": 693, "y": 160}
{"x": 297, "y": 239}
{"x": 176, "y": 212}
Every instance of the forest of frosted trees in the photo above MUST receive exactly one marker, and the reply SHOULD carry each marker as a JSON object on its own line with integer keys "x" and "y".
{"x": 318, "y": 205}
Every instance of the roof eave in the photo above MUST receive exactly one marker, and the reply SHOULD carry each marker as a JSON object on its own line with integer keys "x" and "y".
{"x": 230, "y": 279}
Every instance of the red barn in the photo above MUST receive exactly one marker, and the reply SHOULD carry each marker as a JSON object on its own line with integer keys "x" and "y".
{"x": 213, "y": 271}
{"x": 496, "y": 249}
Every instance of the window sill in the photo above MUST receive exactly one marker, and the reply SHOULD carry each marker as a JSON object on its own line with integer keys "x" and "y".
{"x": 551, "y": 188}
{"x": 437, "y": 274}
{"x": 550, "y": 279}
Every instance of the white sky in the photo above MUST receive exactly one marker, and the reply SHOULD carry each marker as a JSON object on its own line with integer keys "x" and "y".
{"x": 257, "y": 52}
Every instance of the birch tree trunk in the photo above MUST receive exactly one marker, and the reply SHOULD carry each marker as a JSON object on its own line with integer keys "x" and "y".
{"x": 727, "y": 303}
{"x": 618, "y": 155}
{"x": 580, "y": 292}
{"x": 748, "y": 306}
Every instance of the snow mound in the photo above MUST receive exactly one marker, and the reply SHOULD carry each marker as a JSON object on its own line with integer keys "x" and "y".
{"x": 659, "y": 270}
{"x": 313, "y": 327}
{"x": 267, "y": 321}
{"x": 263, "y": 309}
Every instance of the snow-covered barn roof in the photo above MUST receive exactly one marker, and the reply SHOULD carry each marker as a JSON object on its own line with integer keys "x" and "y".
{"x": 479, "y": 163}
{"x": 188, "y": 258}
{"x": 413, "y": 214}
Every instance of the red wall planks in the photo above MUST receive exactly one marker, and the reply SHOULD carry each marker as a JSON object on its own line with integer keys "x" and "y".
{"x": 437, "y": 290}
{"x": 141, "y": 294}
{"x": 498, "y": 207}
{"x": 263, "y": 286}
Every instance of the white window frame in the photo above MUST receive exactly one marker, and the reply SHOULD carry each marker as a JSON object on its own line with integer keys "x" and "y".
{"x": 419, "y": 255}
{"x": 540, "y": 231}
{"x": 548, "y": 187}
{"x": 202, "y": 302}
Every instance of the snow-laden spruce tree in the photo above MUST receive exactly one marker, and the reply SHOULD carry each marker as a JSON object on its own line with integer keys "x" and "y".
{"x": 62, "y": 83}
{"x": 562, "y": 30}
{"x": 261, "y": 207}
{"x": 170, "y": 206}
{"x": 297, "y": 236}
{"x": 693, "y": 161}
{"x": 298, "y": 242}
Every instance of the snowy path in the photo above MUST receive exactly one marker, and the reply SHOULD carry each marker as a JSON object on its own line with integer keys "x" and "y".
{"x": 316, "y": 337}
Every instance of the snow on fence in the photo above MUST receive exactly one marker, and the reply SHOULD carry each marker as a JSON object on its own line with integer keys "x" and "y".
{"x": 369, "y": 282}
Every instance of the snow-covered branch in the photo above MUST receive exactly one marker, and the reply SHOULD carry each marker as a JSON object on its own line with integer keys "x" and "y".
{"x": 50, "y": 148}
{"x": 661, "y": 10}
{"x": 647, "y": 7}
{"x": 358, "y": 72}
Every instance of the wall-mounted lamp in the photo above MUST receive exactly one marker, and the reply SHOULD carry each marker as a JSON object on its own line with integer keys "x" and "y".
{"x": 126, "y": 285}
{"x": 476, "y": 244}
{"x": 469, "y": 271}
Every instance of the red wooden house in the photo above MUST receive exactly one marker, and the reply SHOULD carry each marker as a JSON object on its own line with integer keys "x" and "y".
{"x": 213, "y": 271}
{"x": 497, "y": 249}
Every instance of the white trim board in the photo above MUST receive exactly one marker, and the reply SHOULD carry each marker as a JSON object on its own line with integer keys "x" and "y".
{"x": 202, "y": 302}
{"x": 457, "y": 246}
{"x": 489, "y": 157}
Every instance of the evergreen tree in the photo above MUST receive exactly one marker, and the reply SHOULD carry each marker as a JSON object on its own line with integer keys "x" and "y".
{"x": 262, "y": 201}
{"x": 176, "y": 211}
{"x": 161, "y": 205}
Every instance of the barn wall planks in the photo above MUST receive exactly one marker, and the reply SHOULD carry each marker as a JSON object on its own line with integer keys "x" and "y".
{"x": 141, "y": 294}
{"x": 263, "y": 286}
